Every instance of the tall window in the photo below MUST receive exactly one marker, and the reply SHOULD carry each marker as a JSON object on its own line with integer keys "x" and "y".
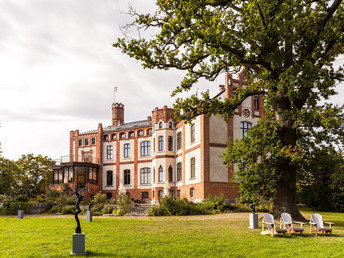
{"x": 86, "y": 141}
{"x": 161, "y": 143}
{"x": 150, "y": 131}
{"x": 179, "y": 171}
{"x": 153, "y": 145}
{"x": 109, "y": 178}
{"x": 140, "y": 133}
{"x": 170, "y": 174}
{"x": 145, "y": 176}
{"x": 92, "y": 176}
{"x": 160, "y": 125}
{"x": 244, "y": 127}
{"x": 192, "y": 192}
{"x": 169, "y": 124}
{"x": 193, "y": 133}
{"x": 109, "y": 152}
{"x": 179, "y": 140}
{"x": 256, "y": 102}
{"x": 105, "y": 137}
{"x": 170, "y": 143}
{"x": 93, "y": 141}
{"x": 127, "y": 177}
{"x": 193, "y": 172}
{"x": 126, "y": 150}
{"x": 161, "y": 174}
{"x": 80, "y": 143}
{"x": 160, "y": 194}
{"x": 153, "y": 175}
{"x": 131, "y": 134}
{"x": 145, "y": 148}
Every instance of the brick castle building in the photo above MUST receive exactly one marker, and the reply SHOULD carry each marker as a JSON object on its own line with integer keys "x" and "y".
{"x": 158, "y": 156}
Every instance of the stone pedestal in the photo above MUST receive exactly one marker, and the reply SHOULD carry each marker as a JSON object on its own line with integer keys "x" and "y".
{"x": 79, "y": 244}
{"x": 20, "y": 214}
{"x": 253, "y": 220}
{"x": 88, "y": 216}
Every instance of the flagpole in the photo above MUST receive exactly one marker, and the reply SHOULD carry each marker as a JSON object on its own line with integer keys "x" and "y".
{"x": 114, "y": 94}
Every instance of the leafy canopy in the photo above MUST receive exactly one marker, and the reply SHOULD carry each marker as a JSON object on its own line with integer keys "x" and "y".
{"x": 288, "y": 49}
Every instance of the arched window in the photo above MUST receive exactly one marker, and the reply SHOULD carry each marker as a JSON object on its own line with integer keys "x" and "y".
{"x": 122, "y": 135}
{"x": 161, "y": 143}
{"x": 160, "y": 125}
{"x": 141, "y": 133}
{"x": 170, "y": 124}
{"x": 131, "y": 134}
{"x": 145, "y": 176}
{"x": 170, "y": 174}
{"x": 179, "y": 171}
{"x": 126, "y": 150}
{"x": 244, "y": 127}
{"x": 161, "y": 174}
{"x": 145, "y": 148}
{"x": 109, "y": 178}
{"x": 193, "y": 170}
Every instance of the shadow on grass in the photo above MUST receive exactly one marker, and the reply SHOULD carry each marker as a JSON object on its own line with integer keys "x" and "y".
{"x": 95, "y": 254}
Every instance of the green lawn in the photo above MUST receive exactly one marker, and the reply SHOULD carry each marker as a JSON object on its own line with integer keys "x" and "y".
{"x": 163, "y": 237}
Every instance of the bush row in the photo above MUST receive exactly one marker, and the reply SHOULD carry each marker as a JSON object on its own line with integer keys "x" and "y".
{"x": 212, "y": 205}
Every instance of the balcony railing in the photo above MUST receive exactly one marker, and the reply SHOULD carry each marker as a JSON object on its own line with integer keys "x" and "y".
{"x": 75, "y": 158}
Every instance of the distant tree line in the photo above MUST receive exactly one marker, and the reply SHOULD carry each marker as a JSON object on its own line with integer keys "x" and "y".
{"x": 29, "y": 176}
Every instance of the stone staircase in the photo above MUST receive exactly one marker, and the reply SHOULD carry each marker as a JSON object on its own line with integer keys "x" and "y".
{"x": 139, "y": 210}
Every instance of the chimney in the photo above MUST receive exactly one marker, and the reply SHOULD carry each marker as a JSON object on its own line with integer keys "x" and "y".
{"x": 117, "y": 113}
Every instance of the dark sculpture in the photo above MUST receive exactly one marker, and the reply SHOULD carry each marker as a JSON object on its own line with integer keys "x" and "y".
{"x": 77, "y": 207}
{"x": 89, "y": 207}
{"x": 20, "y": 206}
{"x": 253, "y": 207}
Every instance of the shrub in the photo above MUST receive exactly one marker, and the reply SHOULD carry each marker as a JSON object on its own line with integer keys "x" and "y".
{"x": 123, "y": 203}
{"x": 107, "y": 210}
{"x": 11, "y": 208}
{"x": 53, "y": 210}
{"x": 68, "y": 210}
{"x": 21, "y": 198}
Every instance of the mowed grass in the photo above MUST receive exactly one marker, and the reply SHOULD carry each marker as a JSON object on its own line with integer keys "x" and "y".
{"x": 205, "y": 236}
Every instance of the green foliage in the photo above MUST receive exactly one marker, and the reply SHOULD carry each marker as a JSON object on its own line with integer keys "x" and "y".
{"x": 33, "y": 175}
{"x": 68, "y": 210}
{"x": 180, "y": 207}
{"x": 288, "y": 50}
{"x": 8, "y": 169}
{"x": 11, "y": 208}
{"x": 123, "y": 203}
{"x": 322, "y": 186}
{"x": 99, "y": 202}
{"x": 107, "y": 209}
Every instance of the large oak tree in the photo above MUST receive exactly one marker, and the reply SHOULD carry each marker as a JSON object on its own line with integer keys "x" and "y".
{"x": 288, "y": 49}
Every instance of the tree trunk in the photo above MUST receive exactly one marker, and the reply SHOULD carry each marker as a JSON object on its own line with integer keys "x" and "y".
{"x": 285, "y": 196}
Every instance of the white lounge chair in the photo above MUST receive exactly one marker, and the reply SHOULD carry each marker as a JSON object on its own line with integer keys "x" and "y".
{"x": 287, "y": 223}
{"x": 268, "y": 219}
{"x": 318, "y": 224}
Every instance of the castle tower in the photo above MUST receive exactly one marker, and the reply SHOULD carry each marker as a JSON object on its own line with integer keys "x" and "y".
{"x": 117, "y": 113}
